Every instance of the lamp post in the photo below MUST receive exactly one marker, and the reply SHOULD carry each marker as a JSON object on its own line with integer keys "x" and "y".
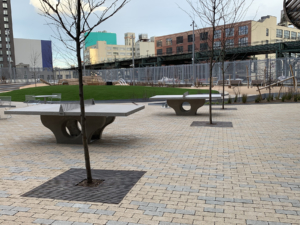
{"x": 133, "y": 83}
{"x": 8, "y": 51}
{"x": 193, "y": 57}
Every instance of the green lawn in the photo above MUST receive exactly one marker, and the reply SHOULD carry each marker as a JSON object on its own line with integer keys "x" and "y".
{"x": 71, "y": 93}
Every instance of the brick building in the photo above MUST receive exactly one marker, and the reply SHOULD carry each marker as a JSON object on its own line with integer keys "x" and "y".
{"x": 237, "y": 34}
{"x": 264, "y": 31}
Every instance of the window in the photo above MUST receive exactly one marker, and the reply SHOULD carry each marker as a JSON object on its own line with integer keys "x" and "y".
{"x": 159, "y": 43}
{"x": 6, "y": 26}
{"x": 286, "y": 34}
{"x": 229, "y": 32}
{"x": 243, "y": 30}
{"x": 122, "y": 49}
{"x": 279, "y": 33}
{"x": 5, "y": 12}
{"x": 190, "y": 48}
{"x": 0, "y": 43}
{"x": 293, "y": 35}
{"x": 298, "y": 36}
{"x": 4, "y": 5}
{"x": 229, "y": 43}
{"x": 122, "y": 53}
{"x": 0, "y": 52}
{"x": 8, "y": 52}
{"x": 169, "y": 41}
{"x": 203, "y": 47}
{"x": 7, "y": 45}
{"x": 203, "y": 36}
{"x": 267, "y": 32}
{"x": 129, "y": 49}
{"x": 109, "y": 53}
{"x": 217, "y": 44}
{"x": 115, "y": 48}
{"x": 243, "y": 41}
{"x": 1, "y": 59}
{"x": 179, "y": 40}
{"x": 108, "y": 48}
{"x": 169, "y": 50}
{"x": 116, "y": 53}
{"x": 217, "y": 34}
{"x": 128, "y": 53}
{"x": 5, "y": 19}
{"x": 159, "y": 52}
{"x": 179, "y": 49}
{"x": 190, "y": 38}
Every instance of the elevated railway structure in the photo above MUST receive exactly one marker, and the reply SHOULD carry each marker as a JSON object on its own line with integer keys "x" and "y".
{"x": 232, "y": 53}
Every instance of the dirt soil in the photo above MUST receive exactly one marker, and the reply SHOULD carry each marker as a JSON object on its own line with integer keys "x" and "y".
{"x": 95, "y": 183}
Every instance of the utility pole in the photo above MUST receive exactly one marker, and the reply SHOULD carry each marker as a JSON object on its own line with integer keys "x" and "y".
{"x": 133, "y": 60}
{"x": 193, "y": 57}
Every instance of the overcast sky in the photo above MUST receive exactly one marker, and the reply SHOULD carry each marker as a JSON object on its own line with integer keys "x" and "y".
{"x": 153, "y": 17}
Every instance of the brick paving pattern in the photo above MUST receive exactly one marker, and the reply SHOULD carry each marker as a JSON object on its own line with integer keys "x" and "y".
{"x": 248, "y": 174}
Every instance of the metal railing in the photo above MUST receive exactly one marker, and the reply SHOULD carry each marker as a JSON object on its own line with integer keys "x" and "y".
{"x": 181, "y": 74}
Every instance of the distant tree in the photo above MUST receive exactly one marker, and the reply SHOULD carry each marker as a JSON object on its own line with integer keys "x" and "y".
{"x": 72, "y": 21}
{"x": 34, "y": 57}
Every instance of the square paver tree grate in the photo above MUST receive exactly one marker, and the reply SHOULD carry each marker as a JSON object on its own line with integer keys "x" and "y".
{"x": 117, "y": 183}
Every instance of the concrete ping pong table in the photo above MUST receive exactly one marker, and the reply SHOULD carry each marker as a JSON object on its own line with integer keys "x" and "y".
{"x": 176, "y": 102}
{"x": 63, "y": 119}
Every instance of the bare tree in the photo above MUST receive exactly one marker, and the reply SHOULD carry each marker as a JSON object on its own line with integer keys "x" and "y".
{"x": 210, "y": 14}
{"x": 232, "y": 12}
{"x": 34, "y": 57}
{"x": 72, "y": 22}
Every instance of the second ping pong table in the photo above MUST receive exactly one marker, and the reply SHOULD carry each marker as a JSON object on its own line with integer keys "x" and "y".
{"x": 64, "y": 119}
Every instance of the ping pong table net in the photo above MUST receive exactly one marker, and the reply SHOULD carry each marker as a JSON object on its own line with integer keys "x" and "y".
{"x": 74, "y": 105}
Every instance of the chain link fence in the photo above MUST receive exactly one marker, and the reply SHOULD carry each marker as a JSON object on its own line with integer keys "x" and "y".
{"x": 245, "y": 71}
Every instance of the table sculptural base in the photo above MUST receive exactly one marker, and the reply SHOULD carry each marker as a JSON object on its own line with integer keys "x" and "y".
{"x": 66, "y": 129}
{"x": 64, "y": 120}
{"x": 177, "y": 101}
{"x": 180, "y": 111}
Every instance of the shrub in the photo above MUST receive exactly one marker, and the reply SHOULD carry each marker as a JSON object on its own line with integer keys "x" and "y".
{"x": 244, "y": 98}
{"x": 296, "y": 97}
{"x": 270, "y": 98}
{"x": 235, "y": 98}
{"x": 258, "y": 99}
{"x": 289, "y": 96}
{"x": 283, "y": 97}
{"x": 229, "y": 100}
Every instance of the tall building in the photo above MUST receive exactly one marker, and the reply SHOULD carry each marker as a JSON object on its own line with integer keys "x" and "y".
{"x": 34, "y": 53}
{"x": 110, "y": 38}
{"x": 102, "y": 51}
{"x": 246, "y": 33}
{"x": 6, "y": 35}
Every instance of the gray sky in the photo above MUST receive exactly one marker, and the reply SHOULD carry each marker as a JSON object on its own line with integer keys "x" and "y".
{"x": 154, "y": 17}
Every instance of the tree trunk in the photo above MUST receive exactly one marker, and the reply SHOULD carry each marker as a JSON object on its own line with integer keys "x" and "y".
{"x": 223, "y": 73}
{"x": 82, "y": 108}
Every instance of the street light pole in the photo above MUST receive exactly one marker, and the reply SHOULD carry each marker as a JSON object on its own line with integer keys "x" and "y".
{"x": 133, "y": 60}
{"x": 193, "y": 59}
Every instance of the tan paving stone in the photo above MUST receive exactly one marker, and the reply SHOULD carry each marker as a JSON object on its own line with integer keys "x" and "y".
{"x": 260, "y": 147}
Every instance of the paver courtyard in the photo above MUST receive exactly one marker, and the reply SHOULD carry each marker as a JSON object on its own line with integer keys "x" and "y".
{"x": 248, "y": 174}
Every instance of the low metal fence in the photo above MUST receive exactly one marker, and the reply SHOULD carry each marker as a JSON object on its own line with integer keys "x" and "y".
{"x": 244, "y": 71}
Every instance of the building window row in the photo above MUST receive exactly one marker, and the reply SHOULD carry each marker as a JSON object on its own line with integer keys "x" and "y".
{"x": 287, "y": 34}
{"x": 229, "y": 32}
